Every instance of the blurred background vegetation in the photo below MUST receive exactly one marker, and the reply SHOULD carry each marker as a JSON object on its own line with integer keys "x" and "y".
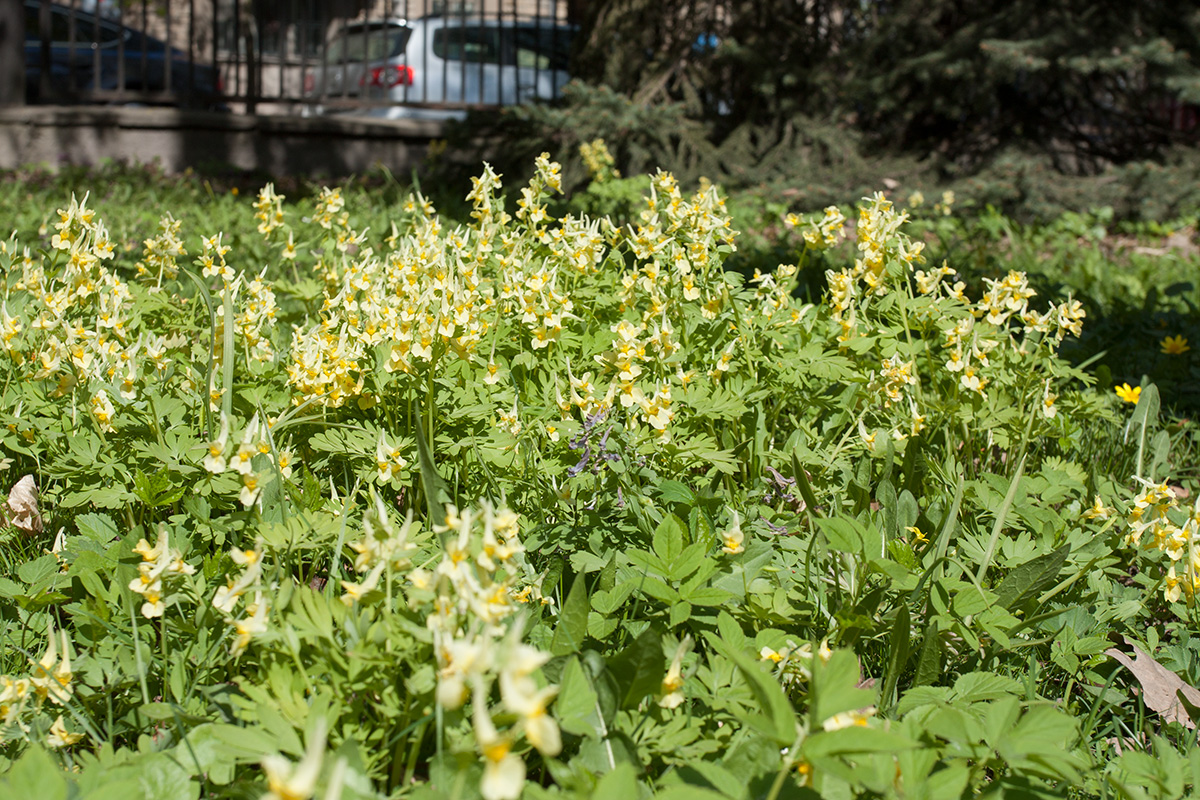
{"x": 1033, "y": 107}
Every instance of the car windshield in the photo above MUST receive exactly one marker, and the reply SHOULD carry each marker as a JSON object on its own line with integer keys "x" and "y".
{"x": 368, "y": 43}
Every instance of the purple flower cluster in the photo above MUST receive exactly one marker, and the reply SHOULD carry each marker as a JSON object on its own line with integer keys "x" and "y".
{"x": 589, "y": 458}
{"x": 781, "y": 489}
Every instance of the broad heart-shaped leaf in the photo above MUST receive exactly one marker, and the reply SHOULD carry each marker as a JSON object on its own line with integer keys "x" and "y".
{"x": 575, "y": 706}
{"x": 638, "y": 669}
{"x": 774, "y": 704}
{"x": 1023, "y": 582}
{"x": 572, "y": 622}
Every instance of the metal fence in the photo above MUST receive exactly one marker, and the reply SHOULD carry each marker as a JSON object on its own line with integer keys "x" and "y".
{"x": 386, "y": 57}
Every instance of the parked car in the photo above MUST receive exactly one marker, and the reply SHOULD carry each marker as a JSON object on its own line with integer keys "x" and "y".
{"x": 437, "y": 67}
{"x": 88, "y": 54}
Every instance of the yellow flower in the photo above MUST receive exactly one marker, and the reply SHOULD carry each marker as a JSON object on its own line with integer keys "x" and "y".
{"x": 733, "y": 538}
{"x": 1175, "y": 345}
{"x": 59, "y": 737}
{"x": 849, "y": 719}
{"x": 287, "y": 780}
{"x": 1098, "y": 510}
{"x": 1129, "y": 394}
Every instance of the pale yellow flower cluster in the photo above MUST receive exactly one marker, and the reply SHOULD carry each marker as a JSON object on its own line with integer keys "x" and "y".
{"x": 81, "y": 313}
{"x": 825, "y": 232}
{"x": 161, "y": 253}
{"x": 880, "y": 243}
{"x": 1005, "y": 297}
{"x": 159, "y": 563}
{"x": 1151, "y": 527}
{"x": 268, "y": 210}
{"x": 253, "y": 620}
{"x": 969, "y": 352}
{"x": 793, "y": 663}
{"x": 601, "y": 165}
{"x": 895, "y": 378}
{"x": 329, "y": 211}
{"x": 472, "y": 597}
{"x": 255, "y": 317}
{"x": 256, "y": 441}
{"x": 50, "y": 679}
{"x": 381, "y": 548}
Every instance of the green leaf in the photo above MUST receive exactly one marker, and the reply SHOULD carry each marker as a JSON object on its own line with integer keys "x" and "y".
{"x": 897, "y": 653}
{"x": 774, "y": 704}
{"x": 929, "y": 662}
{"x": 1010, "y": 497}
{"x": 35, "y": 774}
{"x": 38, "y": 569}
{"x": 976, "y": 686}
{"x": 833, "y": 687}
{"x": 844, "y": 535}
{"x": 855, "y": 739}
{"x": 638, "y": 669}
{"x": 571, "y": 629}
{"x": 607, "y": 602}
{"x": 707, "y": 596}
{"x": 689, "y": 793}
{"x": 437, "y": 494}
{"x": 1024, "y": 582}
{"x": 730, "y": 630}
{"x": 668, "y": 538}
{"x": 675, "y": 492}
{"x": 575, "y": 707}
{"x": 619, "y": 784}
{"x": 99, "y": 528}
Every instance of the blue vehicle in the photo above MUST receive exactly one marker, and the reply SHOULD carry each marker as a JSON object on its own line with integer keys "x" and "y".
{"x": 75, "y": 57}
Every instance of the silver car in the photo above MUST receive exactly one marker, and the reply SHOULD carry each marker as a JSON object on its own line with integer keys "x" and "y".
{"x": 438, "y": 67}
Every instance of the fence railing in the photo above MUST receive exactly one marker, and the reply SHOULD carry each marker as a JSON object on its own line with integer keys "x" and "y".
{"x": 389, "y": 57}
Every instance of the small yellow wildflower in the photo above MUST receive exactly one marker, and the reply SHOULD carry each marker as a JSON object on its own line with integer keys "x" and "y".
{"x": 1175, "y": 345}
{"x": 918, "y": 536}
{"x": 1129, "y": 394}
{"x": 732, "y": 539}
{"x": 1098, "y": 510}
{"x": 59, "y": 737}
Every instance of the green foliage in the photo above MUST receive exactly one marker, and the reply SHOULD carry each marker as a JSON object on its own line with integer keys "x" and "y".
{"x": 568, "y": 506}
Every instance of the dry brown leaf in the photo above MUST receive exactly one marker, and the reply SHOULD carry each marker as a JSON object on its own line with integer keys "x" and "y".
{"x": 22, "y": 511}
{"x": 1160, "y": 687}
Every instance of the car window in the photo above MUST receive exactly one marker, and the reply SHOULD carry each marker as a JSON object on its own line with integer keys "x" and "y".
{"x": 373, "y": 43}
{"x": 469, "y": 43}
{"x": 60, "y": 28}
{"x": 541, "y": 48}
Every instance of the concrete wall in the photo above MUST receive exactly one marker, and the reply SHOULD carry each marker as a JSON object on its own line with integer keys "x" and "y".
{"x": 316, "y": 147}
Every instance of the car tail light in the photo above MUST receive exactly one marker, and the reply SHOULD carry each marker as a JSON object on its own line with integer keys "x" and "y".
{"x": 387, "y": 77}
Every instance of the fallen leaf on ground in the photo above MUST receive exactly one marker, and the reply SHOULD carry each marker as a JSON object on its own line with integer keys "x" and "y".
{"x": 1160, "y": 687}
{"x": 22, "y": 512}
